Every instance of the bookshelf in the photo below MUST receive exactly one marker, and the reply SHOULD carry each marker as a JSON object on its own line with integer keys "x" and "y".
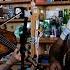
{"x": 55, "y": 3}
{"x": 13, "y": 21}
{"x": 15, "y": 2}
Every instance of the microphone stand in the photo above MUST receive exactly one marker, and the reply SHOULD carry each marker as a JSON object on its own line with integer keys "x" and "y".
{"x": 23, "y": 40}
{"x": 23, "y": 37}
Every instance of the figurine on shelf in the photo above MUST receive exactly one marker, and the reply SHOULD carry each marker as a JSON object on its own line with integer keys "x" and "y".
{"x": 10, "y": 11}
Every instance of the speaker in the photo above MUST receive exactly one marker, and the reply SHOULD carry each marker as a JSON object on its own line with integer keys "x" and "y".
{"x": 60, "y": 13}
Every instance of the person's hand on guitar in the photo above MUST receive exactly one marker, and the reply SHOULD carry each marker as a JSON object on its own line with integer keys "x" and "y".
{"x": 15, "y": 57}
{"x": 17, "y": 54}
{"x": 55, "y": 66}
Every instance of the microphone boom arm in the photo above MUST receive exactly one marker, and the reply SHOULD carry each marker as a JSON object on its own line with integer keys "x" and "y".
{"x": 10, "y": 19}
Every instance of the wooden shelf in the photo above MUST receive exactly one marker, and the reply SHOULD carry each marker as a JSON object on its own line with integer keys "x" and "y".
{"x": 48, "y": 40}
{"x": 15, "y": 2}
{"x": 14, "y": 21}
{"x": 56, "y": 3}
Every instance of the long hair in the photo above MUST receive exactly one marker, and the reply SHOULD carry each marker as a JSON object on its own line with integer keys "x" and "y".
{"x": 67, "y": 60}
{"x": 57, "y": 50}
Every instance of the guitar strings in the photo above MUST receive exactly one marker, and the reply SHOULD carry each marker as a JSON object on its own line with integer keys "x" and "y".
{"x": 3, "y": 42}
{"x": 7, "y": 42}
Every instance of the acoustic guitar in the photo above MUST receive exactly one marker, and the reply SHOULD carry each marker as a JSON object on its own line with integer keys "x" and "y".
{"x": 6, "y": 46}
{"x": 7, "y": 39}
